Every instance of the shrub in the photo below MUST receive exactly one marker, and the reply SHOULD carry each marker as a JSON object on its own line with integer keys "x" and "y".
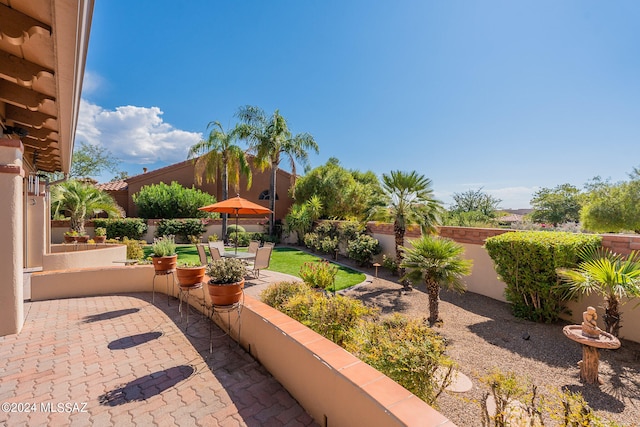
{"x": 134, "y": 248}
{"x": 231, "y": 229}
{"x": 311, "y": 241}
{"x": 527, "y": 263}
{"x": 349, "y": 230}
{"x": 278, "y": 294}
{"x": 172, "y": 201}
{"x": 363, "y": 248}
{"x": 133, "y": 228}
{"x": 319, "y": 274}
{"x": 390, "y": 263}
{"x": 331, "y": 317}
{"x": 213, "y": 237}
{"x": 181, "y": 228}
{"x": 243, "y": 238}
{"x": 328, "y": 245}
{"x": 326, "y": 229}
{"x": 406, "y": 350}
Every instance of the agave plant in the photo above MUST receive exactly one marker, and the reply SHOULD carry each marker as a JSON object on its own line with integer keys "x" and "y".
{"x": 608, "y": 274}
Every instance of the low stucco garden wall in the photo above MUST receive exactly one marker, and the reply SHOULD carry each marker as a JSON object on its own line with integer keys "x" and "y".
{"x": 81, "y": 255}
{"x": 332, "y": 385}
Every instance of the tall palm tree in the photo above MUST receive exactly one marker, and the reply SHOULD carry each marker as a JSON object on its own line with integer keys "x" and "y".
{"x": 410, "y": 201}
{"x": 79, "y": 201}
{"x": 438, "y": 261}
{"x": 270, "y": 140}
{"x": 219, "y": 155}
{"x": 608, "y": 274}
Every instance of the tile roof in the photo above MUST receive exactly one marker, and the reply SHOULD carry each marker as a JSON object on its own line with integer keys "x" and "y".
{"x": 113, "y": 185}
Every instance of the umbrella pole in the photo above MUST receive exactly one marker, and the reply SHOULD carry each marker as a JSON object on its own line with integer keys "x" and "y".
{"x": 236, "y": 232}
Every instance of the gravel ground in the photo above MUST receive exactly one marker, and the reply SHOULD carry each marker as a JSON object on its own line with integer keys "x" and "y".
{"x": 482, "y": 334}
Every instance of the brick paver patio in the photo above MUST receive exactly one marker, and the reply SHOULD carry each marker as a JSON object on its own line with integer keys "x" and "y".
{"x": 120, "y": 360}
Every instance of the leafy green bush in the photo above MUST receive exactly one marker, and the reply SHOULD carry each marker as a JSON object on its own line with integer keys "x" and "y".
{"x": 311, "y": 241}
{"x": 390, "y": 263}
{"x": 231, "y": 229}
{"x": 527, "y": 263}
{"x": 243, "y": 238}
{"x": 134, "y": 248}
{"x": 406, "y": 350}
{"x": 349, "y": 230}
{"x": 328, "y": 245}
{"x": 278, "y": 294}
{"x": 133, "y": 228}
{"x": 181, "y": 228}
{"x": 319, "y": 274}
{"x": 363, "y": 248}
{"x": 331, "y": 317}
{"x": 172, "y": 201}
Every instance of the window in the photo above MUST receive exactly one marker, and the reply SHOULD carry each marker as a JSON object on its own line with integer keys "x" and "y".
{"x": 266, "y": 196}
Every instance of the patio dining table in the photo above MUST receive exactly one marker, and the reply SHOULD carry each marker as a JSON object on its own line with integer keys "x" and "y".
{"x": 239, "y": 255}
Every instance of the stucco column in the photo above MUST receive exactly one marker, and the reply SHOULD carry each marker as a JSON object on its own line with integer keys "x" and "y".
{"x": 11, "y": 230}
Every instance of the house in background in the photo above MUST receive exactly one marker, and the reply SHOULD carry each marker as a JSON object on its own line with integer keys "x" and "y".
{"x": 43, "y": 49}
{"x": 183, "y": 174}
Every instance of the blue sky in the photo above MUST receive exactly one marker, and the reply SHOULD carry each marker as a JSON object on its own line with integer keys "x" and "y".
{"x": 507, "y": 96}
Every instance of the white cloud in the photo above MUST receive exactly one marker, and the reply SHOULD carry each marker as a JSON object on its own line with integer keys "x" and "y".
{"x": 91, "y": 82}
{"x": 134, "y": 134}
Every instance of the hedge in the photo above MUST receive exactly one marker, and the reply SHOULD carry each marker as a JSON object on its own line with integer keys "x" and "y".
{"x": 527, "y": 262}
{"x": 132, "y": 228}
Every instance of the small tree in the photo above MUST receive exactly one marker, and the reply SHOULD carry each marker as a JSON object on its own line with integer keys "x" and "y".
{"x": 79, "y": 201}
{"x": 438, "y": 262}
{"x": 609, "y": 275}
{"x": 557, "y": 205}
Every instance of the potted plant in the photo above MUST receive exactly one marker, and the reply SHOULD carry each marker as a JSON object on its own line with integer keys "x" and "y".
{"x": 226, "y": 281}
{"x": 100, "y": 234}
{"x": 70, "y": 236}
{"x": 82, "y": 238}
{"x": 164, "y": 255}
{"x": 190, "y": 273}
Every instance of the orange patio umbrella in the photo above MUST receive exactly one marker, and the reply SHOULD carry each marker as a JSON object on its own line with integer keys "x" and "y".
{"x": 238, "y": 206}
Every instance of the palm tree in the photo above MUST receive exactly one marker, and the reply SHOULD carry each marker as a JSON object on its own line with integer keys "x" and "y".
{"x": 270, "y": 139}
{"x": 218, "y": 155}
{"x": 410, "y": 202}
{"x": 608, "y": 274}
{"x": 79, "y": 201}
{"x": 438, "y": 261}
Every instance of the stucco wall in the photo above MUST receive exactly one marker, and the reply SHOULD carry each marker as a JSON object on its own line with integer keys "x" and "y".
{"x": 82, "y": 255}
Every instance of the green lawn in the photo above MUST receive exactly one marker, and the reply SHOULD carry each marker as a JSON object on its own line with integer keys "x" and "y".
{"x": 283, "y": 260}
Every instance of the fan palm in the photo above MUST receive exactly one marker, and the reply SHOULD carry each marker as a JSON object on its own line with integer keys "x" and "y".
{"x": 438, "y": 262}
{"x": 410, "y": 202}
{"x": 80, "y": 200}
{"x": 609, "y": 275}
{"x": 270, "y": 140}
{"x": 218, "y": 155}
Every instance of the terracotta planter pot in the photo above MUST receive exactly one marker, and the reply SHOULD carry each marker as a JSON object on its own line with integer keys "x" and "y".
{"x": 69, "y": 239}
{"x": 99, "y": 239}
{"x": 190, "y": 275}
{"x": 165, "y": 263}
{"x": 225, "y": 294}
{"x": 82, "y": 239}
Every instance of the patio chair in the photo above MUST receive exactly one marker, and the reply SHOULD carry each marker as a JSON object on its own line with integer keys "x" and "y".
{"x": 253, "y": 246}
{"x": 269, "y": 244}
{"x": 219, "y": 245}
{"x": 202, "y": 253}
{"x": 215, "y": 253}
{"x": 263, "y": 257}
